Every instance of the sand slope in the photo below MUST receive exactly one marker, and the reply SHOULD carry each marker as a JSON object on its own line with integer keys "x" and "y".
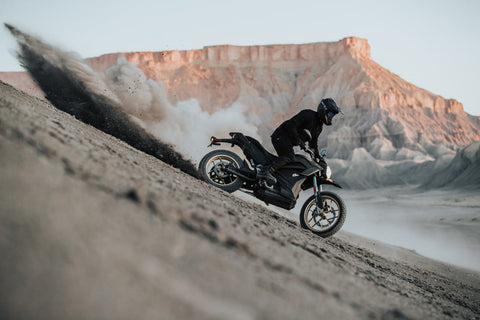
{"x": 93, "y": 228}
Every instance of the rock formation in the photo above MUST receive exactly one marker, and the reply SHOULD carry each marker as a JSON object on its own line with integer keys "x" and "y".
{"x": 462, "y": 172}
{"x": 391, "y": 119}
{"x": 383, "y": 113}
{"x": 277, "y": 81}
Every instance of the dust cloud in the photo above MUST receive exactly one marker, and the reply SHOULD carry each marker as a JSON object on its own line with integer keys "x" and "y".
{"x": 124, "y": 103}
{"x": 184, "y": 125}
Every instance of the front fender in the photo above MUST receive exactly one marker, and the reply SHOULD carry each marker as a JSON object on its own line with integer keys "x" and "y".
{"x": 321, "y": 180}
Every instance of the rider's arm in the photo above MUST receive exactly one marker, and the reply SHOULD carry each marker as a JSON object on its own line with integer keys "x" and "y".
{"x": 314, "y": 146}
{"x": 314, "y": 143}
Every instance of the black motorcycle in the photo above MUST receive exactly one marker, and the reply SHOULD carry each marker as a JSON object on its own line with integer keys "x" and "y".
{"x": 323, "y": 213}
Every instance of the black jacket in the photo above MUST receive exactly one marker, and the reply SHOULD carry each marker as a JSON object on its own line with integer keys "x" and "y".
{"x": 291, "y": 129}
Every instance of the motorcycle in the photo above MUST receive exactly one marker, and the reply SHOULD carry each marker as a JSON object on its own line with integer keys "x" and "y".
{"x": 323, "y": 213}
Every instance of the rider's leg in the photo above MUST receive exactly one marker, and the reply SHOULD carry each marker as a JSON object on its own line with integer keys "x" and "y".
{"x": 284, "y": 150}
{"x": 286, "y": 155}
{"x": 266, "y": 170}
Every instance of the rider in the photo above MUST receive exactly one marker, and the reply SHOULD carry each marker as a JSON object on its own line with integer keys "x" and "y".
{"x": 293, "y": 132}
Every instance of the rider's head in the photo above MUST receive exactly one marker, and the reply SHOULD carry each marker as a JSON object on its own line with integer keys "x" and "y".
{"x": 327, "y": 109}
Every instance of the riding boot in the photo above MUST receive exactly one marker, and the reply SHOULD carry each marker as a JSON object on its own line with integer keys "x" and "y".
{"x": 265, "y": 173}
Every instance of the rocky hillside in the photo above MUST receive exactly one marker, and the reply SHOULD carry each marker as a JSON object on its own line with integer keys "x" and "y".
{"x": 389, "y": 117}
{"x": 93, "y": 228}
{"x": 392, "y": 132}
{"x": 463, "y": 171}
{"x": 384, "y": 113}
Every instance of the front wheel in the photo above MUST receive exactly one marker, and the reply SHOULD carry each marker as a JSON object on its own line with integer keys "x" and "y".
{"x": 213, "y": 168}
{"x": 328, "y": 218}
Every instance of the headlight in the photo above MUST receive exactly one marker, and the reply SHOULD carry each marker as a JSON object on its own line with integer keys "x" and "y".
{"x": 329, "y": 172}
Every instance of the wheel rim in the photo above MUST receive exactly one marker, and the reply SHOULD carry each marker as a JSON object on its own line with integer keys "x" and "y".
{"x": 215, "y": 169}
{"x": 326, "y": 218}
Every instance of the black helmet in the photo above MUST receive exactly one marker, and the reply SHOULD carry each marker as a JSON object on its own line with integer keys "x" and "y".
{"x": 327, "y": 109}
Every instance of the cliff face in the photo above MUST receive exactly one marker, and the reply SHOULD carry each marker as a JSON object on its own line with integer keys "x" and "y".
{"x": 274, "y": 76}
{"x": 279, "y": 80}
{"x": 382, "y": 111}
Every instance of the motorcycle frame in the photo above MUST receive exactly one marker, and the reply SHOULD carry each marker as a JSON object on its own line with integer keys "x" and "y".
{"x": 317, "y": 179}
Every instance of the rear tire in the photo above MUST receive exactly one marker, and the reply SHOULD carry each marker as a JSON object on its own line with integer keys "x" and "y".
{"x": 334, "y": 210}
{"x": 212, "y": 167}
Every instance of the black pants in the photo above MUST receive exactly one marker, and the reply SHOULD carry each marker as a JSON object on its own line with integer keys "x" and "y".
{"x": 284, "y": 148}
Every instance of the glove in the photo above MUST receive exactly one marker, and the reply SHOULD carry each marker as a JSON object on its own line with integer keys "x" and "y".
{"x": 320, "y": 160}
{"x": 302, "y": 144}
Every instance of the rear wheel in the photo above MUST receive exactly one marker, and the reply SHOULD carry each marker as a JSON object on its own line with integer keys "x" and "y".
{"x": 213, "y": 168}
{"x": 328, "y": 219}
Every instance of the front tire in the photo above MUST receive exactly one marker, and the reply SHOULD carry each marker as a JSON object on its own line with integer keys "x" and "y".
{"x": 331, "y": 217}
{"x": 213, "y": 165}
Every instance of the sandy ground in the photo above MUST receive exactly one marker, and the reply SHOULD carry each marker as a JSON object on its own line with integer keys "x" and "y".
{"x": 443, "y": 225}
{"x": 440, "y": 224}
{"x": 91, "y": 228}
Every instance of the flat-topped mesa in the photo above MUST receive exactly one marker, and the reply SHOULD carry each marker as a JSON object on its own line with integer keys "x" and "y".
{"x": 275, "y": 81}
{"x": 351, "y": 46}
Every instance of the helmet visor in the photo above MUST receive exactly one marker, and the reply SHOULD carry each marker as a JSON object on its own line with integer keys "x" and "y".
{"x": 330, "y": 115}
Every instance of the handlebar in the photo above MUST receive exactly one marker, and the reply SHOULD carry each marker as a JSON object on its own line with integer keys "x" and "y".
{"x": 312, "y": 154}
{"x": 309, "y": 151}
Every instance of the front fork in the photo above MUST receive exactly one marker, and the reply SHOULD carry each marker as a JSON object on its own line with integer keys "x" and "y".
{"x": 318, "y": 197}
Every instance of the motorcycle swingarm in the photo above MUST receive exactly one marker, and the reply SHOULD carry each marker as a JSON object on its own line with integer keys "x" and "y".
{"x": 241, "y": 173}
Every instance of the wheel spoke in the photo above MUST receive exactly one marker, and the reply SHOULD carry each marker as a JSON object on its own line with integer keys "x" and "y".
{"x": 313, "y": 216}
{"x": 320, "y": 222}
{"x": 317, "y": 223}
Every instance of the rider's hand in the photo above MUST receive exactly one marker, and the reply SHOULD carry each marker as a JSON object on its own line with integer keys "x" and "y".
{"x": 319, "y": 158}
{"x": 302, "y": 145}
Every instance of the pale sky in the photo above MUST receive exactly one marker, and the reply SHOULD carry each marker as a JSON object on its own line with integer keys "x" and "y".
{"x": 433, "y": 44}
